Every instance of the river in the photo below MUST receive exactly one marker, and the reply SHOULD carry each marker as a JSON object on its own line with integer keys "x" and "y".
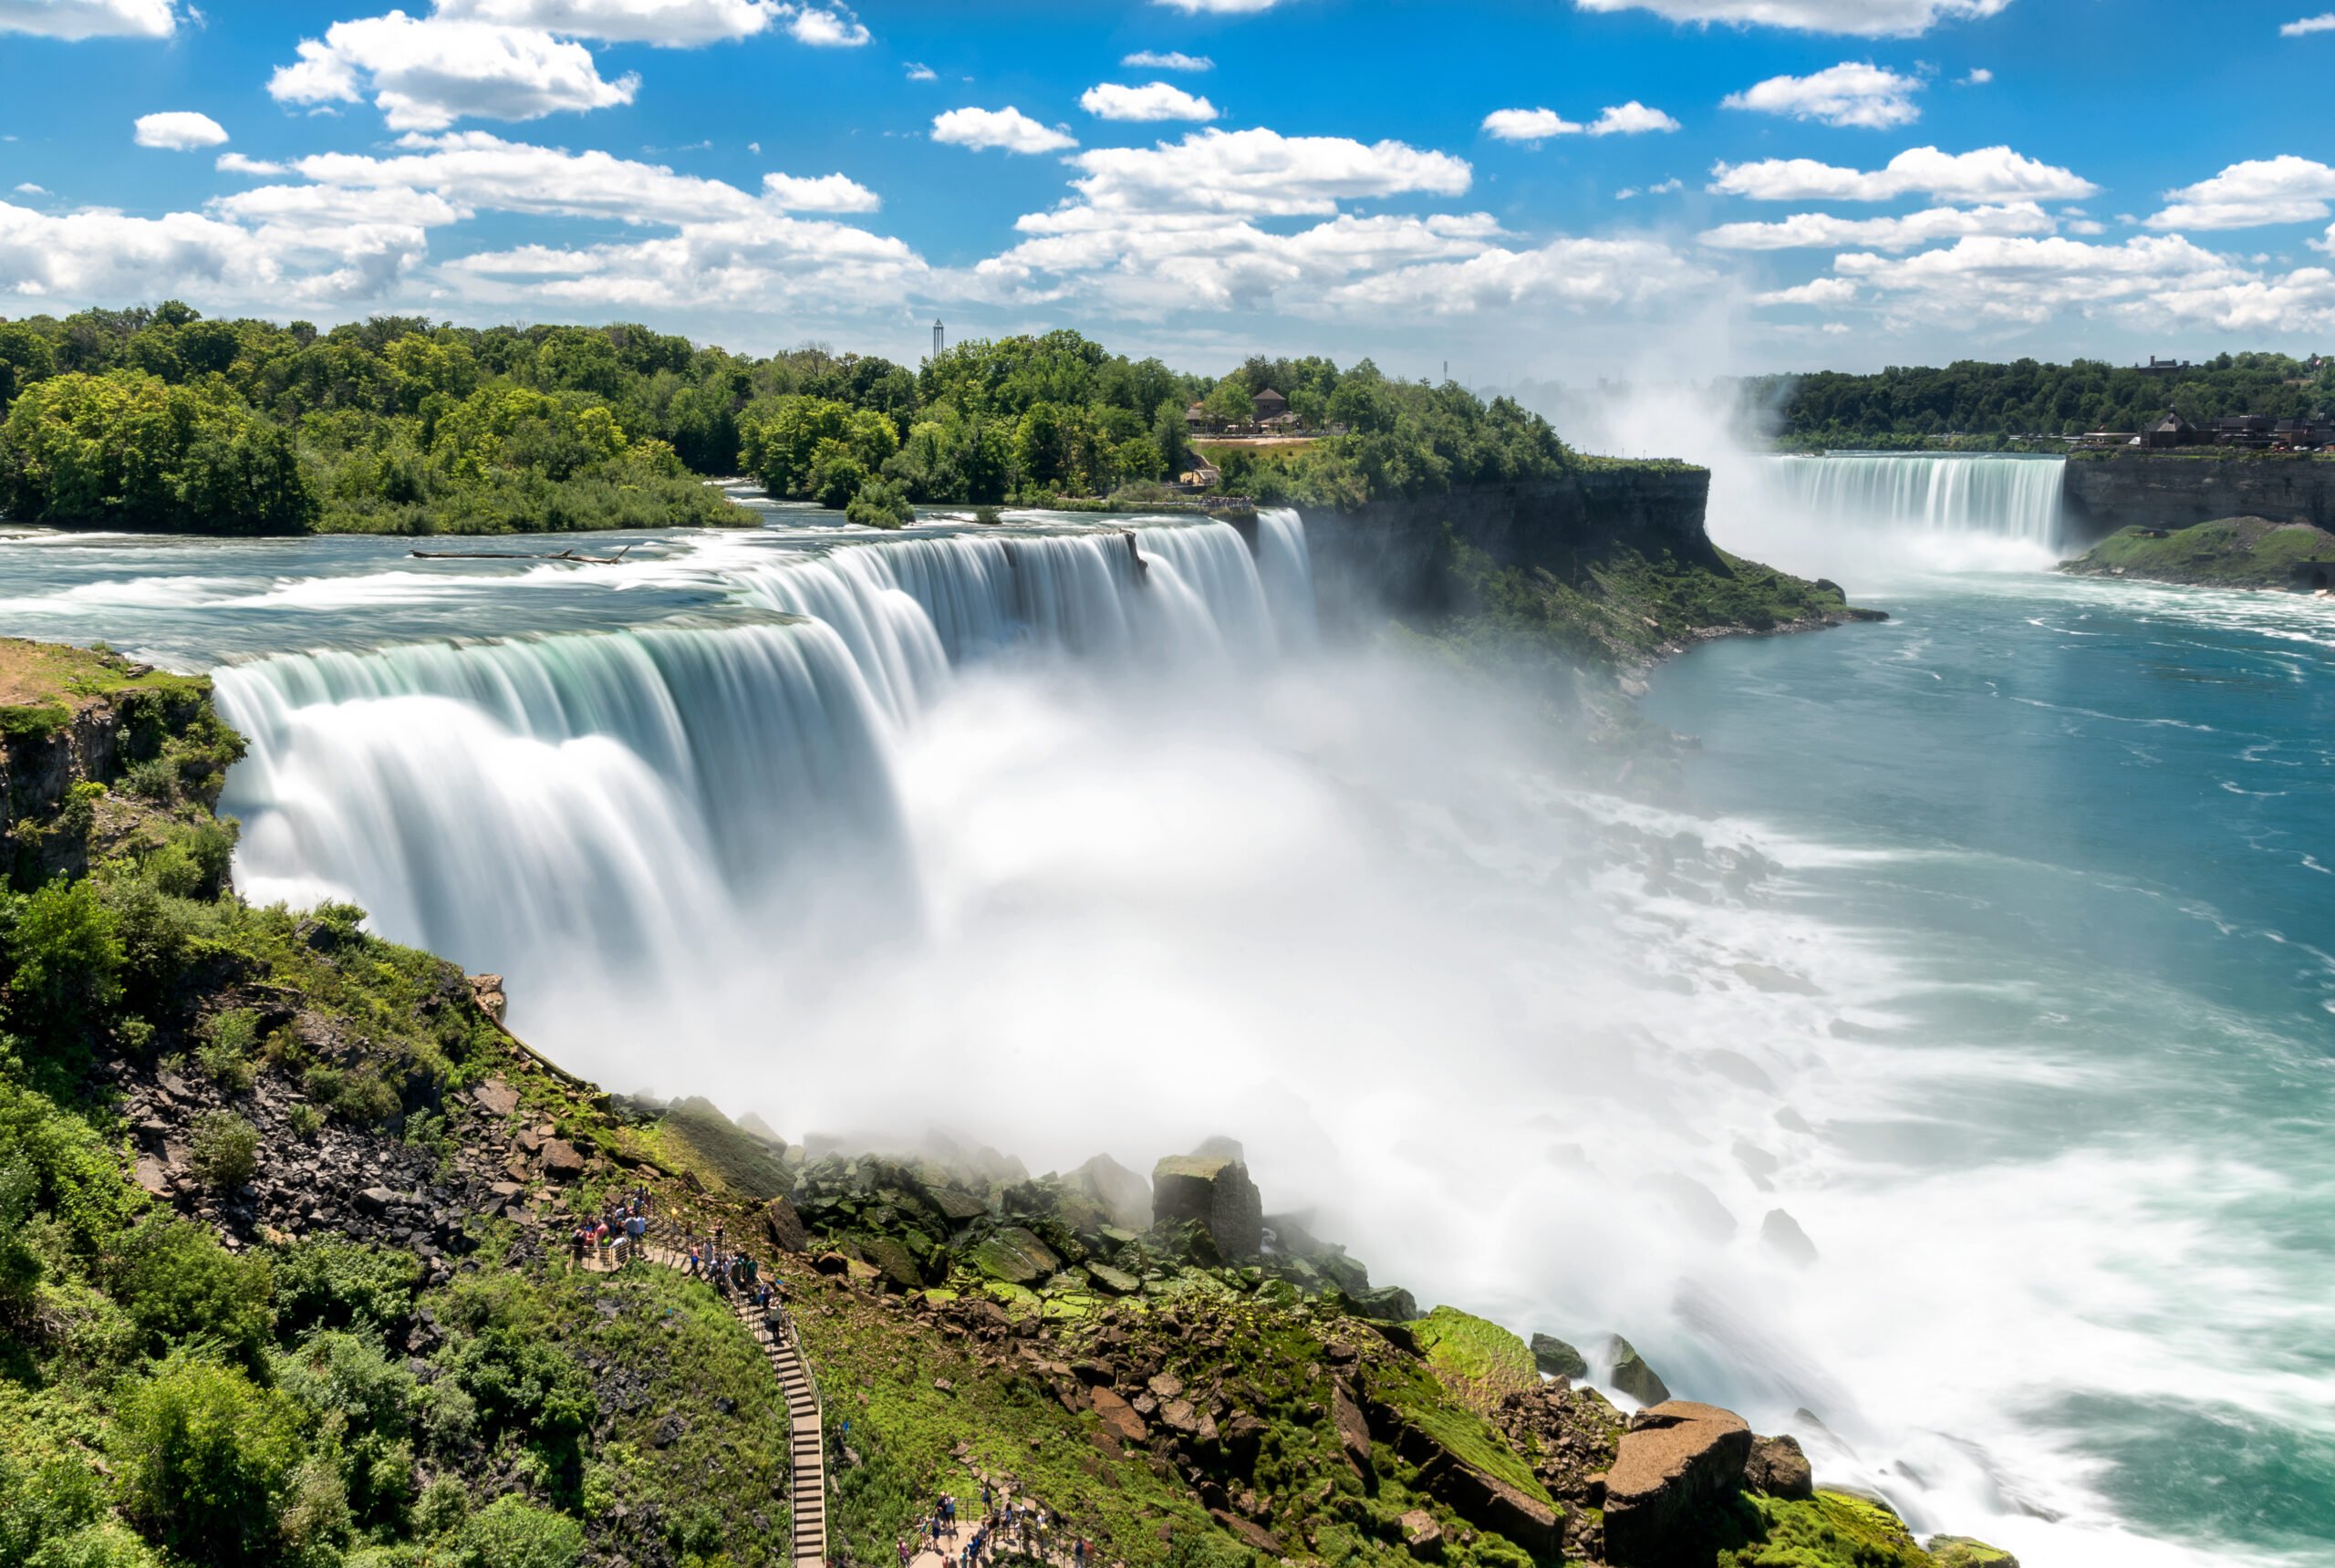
{"x": 1990, "y": 954}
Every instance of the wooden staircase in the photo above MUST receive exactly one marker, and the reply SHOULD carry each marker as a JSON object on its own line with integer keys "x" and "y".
{"x": 807, "y": 1487}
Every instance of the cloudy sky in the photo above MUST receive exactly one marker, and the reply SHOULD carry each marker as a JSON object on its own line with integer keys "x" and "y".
{"x": 1521, "y": 188}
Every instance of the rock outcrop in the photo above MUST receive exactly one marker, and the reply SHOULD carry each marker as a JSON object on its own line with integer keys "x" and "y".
{"x": 1558, "y": 1359}
{"x": 1216, "y": 1192}
{"x": 1677, "y": 1460}
{"x": 1632, "y": 1376}
{"x": 1778, "y": 1468}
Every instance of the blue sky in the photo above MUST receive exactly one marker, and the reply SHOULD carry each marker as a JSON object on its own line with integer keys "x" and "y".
{"x": 1551, "y": 188}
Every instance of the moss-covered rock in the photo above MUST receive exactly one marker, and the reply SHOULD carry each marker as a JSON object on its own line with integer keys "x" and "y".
{"x": 2233, "y": 552}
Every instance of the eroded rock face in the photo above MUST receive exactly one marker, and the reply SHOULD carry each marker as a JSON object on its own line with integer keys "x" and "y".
{"x": 1677, "y": 1460}
{"x": 1778, "y": 1468}
{"x": 1218, "y": 1193}
{"x": 1124, "y": 1196}
{"x": 787, "y": 1232}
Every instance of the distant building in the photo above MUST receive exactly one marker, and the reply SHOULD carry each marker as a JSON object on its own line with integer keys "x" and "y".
{"x": 1201, "y": 476}
{"x": 2157, "y": 366}
{"x": 2170, "y": 430}
{"x": 1269, "y": 404}
{"x": 1196, "y": 416}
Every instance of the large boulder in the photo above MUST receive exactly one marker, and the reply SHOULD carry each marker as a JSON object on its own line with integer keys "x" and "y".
{"x": 1632, "y": 1376}
{"x": 1120, "y": 1193}
{"x": 1217, "y": 1192}
{"x": 893, "y": 1263}
{"x": 1677, "y": 1461}
{"x": 1558, "y": 1359}
{"x": 788, "y": 1232}
{"x": 1778, "y": 1468}
{"x": 1015, "y": 1257}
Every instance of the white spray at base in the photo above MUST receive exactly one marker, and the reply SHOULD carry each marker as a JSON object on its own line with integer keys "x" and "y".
{"x": 1021, "y": 837}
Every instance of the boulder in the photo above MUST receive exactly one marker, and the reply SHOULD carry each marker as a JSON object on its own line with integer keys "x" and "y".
{"x": 1490, "y": 1503}
{"x": 1632, "y": 1376}
{"x": 1118, "y": 1282}
{"x": 1118, "y": 1416}
{"x": 1253, "y": 1536}
{"x": 487, "y": 990}
{"x": 1778, "y": 1468}
{"x": 1423, "y": 1536}
{"x": 787, "y": 1232}
{"x": 1387, "y": 1304}
{"x": 1354, "y": 1429}
{"x": 1123, "y": 1196}
{"x": 495, "y": 1098}
{"x": 1015, "y": 1256}
{"x": 1782, "y": 1235}
{"x": 1558, "y": 1359}
{"x": 561, "y": 1161}
{"x": 1677, "y": 1461}
{"x": 893, "y": 1263}
{"x": 1217, "y": 1192}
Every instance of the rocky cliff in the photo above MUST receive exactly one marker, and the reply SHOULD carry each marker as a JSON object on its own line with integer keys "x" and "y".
{"x": 2164, "y": 489}
{"x": 1399, "y": 553}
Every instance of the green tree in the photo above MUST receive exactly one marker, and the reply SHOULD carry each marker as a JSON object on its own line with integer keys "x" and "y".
{"x": 880, "y": 504}
{"x": 180, "y": 1286}
{"x": 65, "y": 948}
{"x": 511, "y": 1532}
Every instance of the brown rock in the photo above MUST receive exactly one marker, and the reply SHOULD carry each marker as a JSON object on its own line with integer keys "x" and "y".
{"x": 1493, "y": 1505}
{"x": 1166, "y": 1384}
{"x": 560, "y": 1160}
{"x": 1778, "y": 1468}
{"x": 495, "y": 1098}
{"x": 788, "y": 1232}
{"x": 1678, "y": 1460}
{"x": 1177, "y": 1414}
{"x": 1423, "y": 1536}
{"x": 1217, "y": 1192}
{"x": 1255, "y": 1536}
{"x": 487, "y": 990}
{"x": 1353, "y": 1431}
{"x": 1118, "y": 1416}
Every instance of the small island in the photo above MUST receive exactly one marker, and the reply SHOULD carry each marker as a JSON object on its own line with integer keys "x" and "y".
{"x": 2232, "y": 553}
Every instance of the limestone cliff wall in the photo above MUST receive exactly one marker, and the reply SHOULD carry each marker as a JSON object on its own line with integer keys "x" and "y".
{"x": 2151, "y": 491}
{"x": 1394, "y": 554}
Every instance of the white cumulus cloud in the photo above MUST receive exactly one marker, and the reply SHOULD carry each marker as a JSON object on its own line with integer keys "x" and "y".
{"x": 2307, "y": 25}
{"x": 179, "y": 129}
{"x": 1217, "y": 7}
{"x": 826, "y": 28}
{"x": 675, "y": 23}
{"x": 1174, "y": 60}
{"x": 425, "y": 73}
{"x": 236, "y": 164}
{"x": 1847, "y": 94}
{"x": 1152, "y": 102}
{"x": 75, "y": 19}
{"x": 1979, "y": 77}
{"x": 27, "y": 188}
{"x": 1822, "y": 292}
{"x": 826, "y": 193}
{"x": 1007, "y": 127}
{"x": 1857, "y": 18}
{"x": 2281, "y": 190}
{"x": 1631, "y": 119}
{"x": 921, "y": 72}
{"x": 1822, "y": 230}
{"x": 1987, "y": 174}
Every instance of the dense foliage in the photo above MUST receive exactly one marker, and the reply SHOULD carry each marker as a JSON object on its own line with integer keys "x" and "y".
{"x": 161, "y": 419}
{"x": 1917, "y": 406}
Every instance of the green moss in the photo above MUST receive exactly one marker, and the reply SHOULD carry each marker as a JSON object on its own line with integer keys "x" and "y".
{"x": 1830, "y": 1530}
{"x": 1485, "y": 1360}
{"x": 2235, "y": 551}
{"x": 1961, "y": 1551}
{"x": 1423, "y": 1401}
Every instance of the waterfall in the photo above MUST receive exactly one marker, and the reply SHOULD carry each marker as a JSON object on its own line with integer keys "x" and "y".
{"x": 586, "y": 801}
{"x": 2008, "y": 498}
{"x": 1286, "y": 570}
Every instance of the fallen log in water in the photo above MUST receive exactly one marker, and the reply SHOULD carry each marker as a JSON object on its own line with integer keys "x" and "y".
{"x": 570, "y": 554}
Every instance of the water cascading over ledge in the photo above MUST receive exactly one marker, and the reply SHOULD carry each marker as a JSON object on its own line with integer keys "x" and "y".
{"x": 2014, "y": 499}
{"x": 547, "y": 804}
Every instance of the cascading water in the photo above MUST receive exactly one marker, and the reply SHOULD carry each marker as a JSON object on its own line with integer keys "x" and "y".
{"x": 2014, "y": 498}
{"x": 1870, "y": 514}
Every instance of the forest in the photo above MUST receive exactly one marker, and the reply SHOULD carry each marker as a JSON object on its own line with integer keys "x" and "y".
{"x": 1972, "y": 403}
{"x": 162, "y": 419}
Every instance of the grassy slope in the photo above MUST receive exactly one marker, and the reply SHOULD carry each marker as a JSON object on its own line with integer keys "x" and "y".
{"x": 2235, "y": 552}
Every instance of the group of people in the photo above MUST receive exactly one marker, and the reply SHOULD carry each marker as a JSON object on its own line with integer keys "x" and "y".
{"x": 1006, "y": 1529}
{"x": 617, "y": 1236}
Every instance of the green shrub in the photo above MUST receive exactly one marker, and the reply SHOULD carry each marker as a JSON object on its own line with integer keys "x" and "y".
{"x": 178, "y": 1284}
{"x": 66, "y": 952}
{"x": 335, "y": 1285}
{"x": 21, "y": 1266}
{"x": 224, "y": 1150}
{"x": 305, "y": 1120}
{"x": 521, "y": 1384}
{"x": 205, "y": 1458}
{"x": 442, "y": 1507}
{"x": 879, "y": 504}
{"x": 105, "y": 1545}
{"x": 78, "y": 1179}
{"x": 511, "y": 1532}
{"x": 44, "y": 1503}
{"x": 225, "y": 1054}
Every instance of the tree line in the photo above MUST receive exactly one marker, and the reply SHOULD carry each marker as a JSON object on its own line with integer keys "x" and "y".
{"x": 1995, "y": 403}
{"x": 163, "y": 419}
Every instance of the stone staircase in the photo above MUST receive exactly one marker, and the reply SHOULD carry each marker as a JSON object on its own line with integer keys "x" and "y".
{"x": 807, "y": 1487}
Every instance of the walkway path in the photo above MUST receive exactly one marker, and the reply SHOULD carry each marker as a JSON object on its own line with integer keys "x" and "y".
{"x": 807, "y": 1487}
